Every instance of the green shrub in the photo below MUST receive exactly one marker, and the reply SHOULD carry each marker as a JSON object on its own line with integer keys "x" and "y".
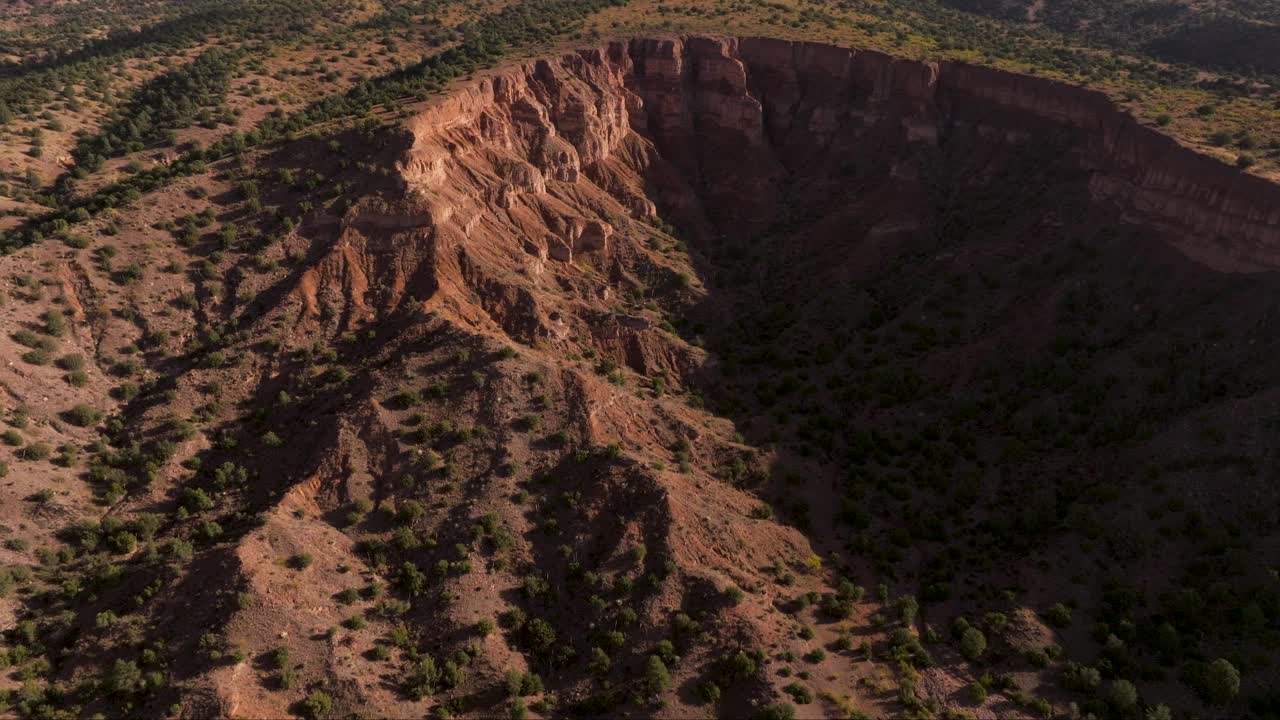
{"x": 776, "y": 711}
{"x": 181, "y": 549}
{"x": 1081, "y": 677}
{"x": 410, "y": 511}
{"x": 978, "y": 692}
{"x": 317, "y": 705}
{"x": 995, "y": 622}
{"x": 36, "y": 451}
{"x": 908, "y": 606}
{"x": 973, "y": 643}
{"x": 657, "y": 677}
{"x": 452, "y": 675}
{"x": 422, "y": 680}
{"x": 196, "y": 500}
{"x": 1122, "y": 695}
{"x": 55, "y": 323}
{"x": 124, "y": 392}
{"x": 709, "y": 691}
{"x": 125, "y": 368}
{"x": 125, "y": 678}
{"x": 799, "y": 693}
{"x": 124, "y": 542}
{"x": 411, "y": 580}
{"x": 83, "y": 416}
{"x": 1058, "y": 615}
{"x": 514, "y": 681}
{"x": 1221, "y": 682}
{"x": 599, "y": 663}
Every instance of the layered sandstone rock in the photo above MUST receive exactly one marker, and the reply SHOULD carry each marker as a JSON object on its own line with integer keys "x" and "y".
{"x": 710, "y": 127}
{"x": 1216, "y": 213}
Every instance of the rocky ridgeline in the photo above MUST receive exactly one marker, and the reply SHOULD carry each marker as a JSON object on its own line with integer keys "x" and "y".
{"x": 725, "y": 116}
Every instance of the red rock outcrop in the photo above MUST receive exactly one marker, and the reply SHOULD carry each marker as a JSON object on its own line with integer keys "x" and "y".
{"x": 706, "y": 126}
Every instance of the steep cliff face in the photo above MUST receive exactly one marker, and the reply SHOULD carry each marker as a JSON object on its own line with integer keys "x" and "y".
{"x": 1213, "y": 212}
{"x": 711, "y": 129}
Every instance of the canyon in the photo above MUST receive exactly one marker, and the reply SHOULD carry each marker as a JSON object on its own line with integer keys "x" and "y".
{"x": 735, "y": 115}
{"x": 538, "y": 202}
{"x": 695, "y": 376}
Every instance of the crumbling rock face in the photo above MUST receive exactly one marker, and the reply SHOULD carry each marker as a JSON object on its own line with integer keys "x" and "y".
{"x": 521, "y": 178}
{"x": 706, "y": 129}
{"x": 528, "y": 198}
{"x": 590, "y": 235}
